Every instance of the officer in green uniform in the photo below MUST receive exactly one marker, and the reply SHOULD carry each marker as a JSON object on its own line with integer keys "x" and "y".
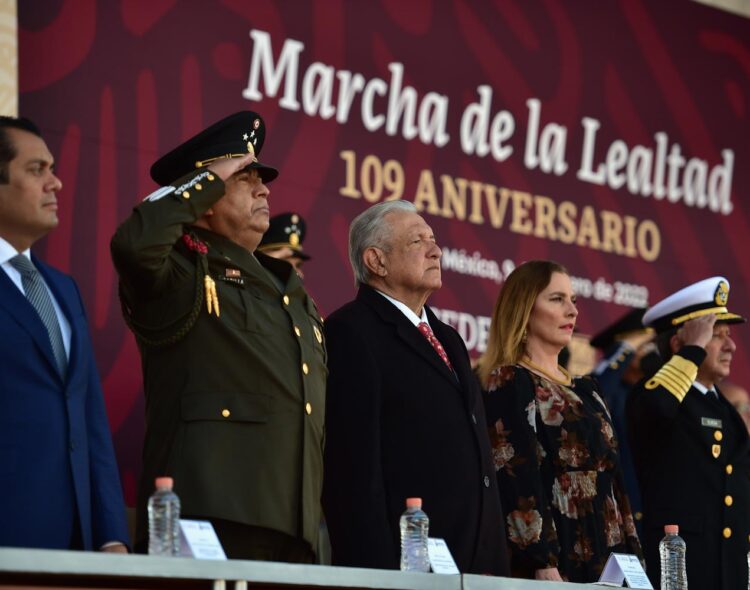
{"x": 232, "y": 349}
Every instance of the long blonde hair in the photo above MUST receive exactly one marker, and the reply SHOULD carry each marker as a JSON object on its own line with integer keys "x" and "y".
{"x": 506, "y": 340}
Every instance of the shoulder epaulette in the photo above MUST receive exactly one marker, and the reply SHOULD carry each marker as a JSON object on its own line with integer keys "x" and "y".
{"x": 676, "y": 376}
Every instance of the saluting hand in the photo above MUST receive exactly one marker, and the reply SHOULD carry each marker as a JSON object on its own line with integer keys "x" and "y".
{"x": 225, "y": 167}
{"x": 697, "y": 331}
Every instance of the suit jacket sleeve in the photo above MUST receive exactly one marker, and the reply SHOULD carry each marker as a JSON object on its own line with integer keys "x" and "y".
{"x": 356, "y": 512}
{"x": 108, "y": 521}
{"x": 511, "y": 417}
{"x": 142, "y": 245}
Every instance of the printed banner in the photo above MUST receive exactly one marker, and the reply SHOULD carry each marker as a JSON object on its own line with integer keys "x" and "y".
{"x": 610, "y": 136}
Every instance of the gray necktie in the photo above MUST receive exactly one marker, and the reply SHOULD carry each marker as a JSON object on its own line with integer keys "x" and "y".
{"x": 38, "y": 296}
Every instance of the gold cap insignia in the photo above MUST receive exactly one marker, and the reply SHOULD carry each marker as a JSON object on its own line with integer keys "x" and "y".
{"x": 294, "y": 239}
{"x": 722, "y": 294}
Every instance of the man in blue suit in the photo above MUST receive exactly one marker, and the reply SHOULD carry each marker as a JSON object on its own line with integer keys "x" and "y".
{"x": 59, "y": 487}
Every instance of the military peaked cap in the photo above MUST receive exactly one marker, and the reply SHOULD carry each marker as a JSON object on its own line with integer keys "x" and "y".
{"x": 232, "y": 137}
{"x": 285, "y": 230}
{"x": 627, "y": 325}
{"x": 696, "y": 300}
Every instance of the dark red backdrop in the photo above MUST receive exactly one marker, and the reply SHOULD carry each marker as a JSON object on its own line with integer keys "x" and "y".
{"x": 114, "y": 84}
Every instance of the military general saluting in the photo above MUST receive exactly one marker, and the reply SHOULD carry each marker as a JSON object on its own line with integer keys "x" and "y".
{"x": 691, "y": 447}
{"x": 231, "y": 345}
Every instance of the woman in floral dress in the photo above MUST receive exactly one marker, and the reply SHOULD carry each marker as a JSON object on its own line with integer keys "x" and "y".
{"x": 553, "y": 442}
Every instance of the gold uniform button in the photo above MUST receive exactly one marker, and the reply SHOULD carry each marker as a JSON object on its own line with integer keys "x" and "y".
{"x": 297, "y": 331}
{"x": 210, "y": 177}
{"x": 198, "y": 187}
{"x": 226, "y": 413}
{"x": 639, "y": 515}
{"x": 285, "y": 299}
{"x": 729, "y": 469}
{"x": 718, "y": 435}
{"x": 727, "y": 532}
{"x": 305, "y": 368}
{"x": 185, "y": 194}
{"x": 728, "y": 500}
{"x": 318, "y": 335}
{"x": 308, "y": 408}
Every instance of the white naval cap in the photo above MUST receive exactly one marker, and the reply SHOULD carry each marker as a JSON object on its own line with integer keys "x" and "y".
{"x": 696, "y": 300}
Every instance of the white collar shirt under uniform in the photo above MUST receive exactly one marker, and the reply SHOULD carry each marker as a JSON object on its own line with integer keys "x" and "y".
{"x": 705, "y": 390}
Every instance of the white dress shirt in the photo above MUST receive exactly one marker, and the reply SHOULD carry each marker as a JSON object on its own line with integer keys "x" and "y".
{"x": 413, "y": 317}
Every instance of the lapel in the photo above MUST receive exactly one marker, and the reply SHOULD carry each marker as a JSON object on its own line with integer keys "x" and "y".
{"x": 282, "y": 270}
{"x": 26, "y": 317}
{"x": 408, "y": 333}
{"x": 457, "y": 355}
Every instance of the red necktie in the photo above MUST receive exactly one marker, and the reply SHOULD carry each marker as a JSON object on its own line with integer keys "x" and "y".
{"x": 427, "y": 333}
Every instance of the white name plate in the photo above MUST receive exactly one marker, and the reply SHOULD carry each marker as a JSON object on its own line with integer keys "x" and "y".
{"x": 440, "y": 557}
{"x": 625, "y": 568}
{"x": 198, "y": 539}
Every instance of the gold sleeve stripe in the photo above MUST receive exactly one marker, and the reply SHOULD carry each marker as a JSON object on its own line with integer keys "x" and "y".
{"x": 679, "y": 378}
{"x": 676, "y": 376}
{"x": 670, "y": 383}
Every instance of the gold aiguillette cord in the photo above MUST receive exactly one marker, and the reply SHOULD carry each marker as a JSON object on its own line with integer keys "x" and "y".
{"x": 212, "y": 298}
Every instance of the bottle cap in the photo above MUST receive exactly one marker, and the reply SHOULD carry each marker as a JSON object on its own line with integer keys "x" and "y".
{"x": 671, "y": 529}
{"x": 414, "y": 502}
{"x": 163, "y": 483}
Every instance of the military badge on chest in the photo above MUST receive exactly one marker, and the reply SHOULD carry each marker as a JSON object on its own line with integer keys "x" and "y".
{"x": 717, "y": 436}
{"x": 233, "y": 276}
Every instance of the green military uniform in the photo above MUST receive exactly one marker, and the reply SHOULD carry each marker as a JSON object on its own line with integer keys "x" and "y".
{"x": 235, "y": 400}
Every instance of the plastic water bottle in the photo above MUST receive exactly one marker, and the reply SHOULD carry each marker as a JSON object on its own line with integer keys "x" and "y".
{"x": 164, "y": 519}
{"x": 414, "y": 526}
{"x": 672, "y": 550}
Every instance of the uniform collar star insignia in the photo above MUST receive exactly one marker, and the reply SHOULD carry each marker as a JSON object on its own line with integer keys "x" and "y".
{"x": 244, "y": 137}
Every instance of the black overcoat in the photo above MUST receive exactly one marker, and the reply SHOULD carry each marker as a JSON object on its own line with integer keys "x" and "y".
{"x": 399, "y": 424}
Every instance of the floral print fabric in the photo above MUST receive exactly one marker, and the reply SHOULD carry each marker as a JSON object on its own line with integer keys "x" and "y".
{"x": 555, "y": 455}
